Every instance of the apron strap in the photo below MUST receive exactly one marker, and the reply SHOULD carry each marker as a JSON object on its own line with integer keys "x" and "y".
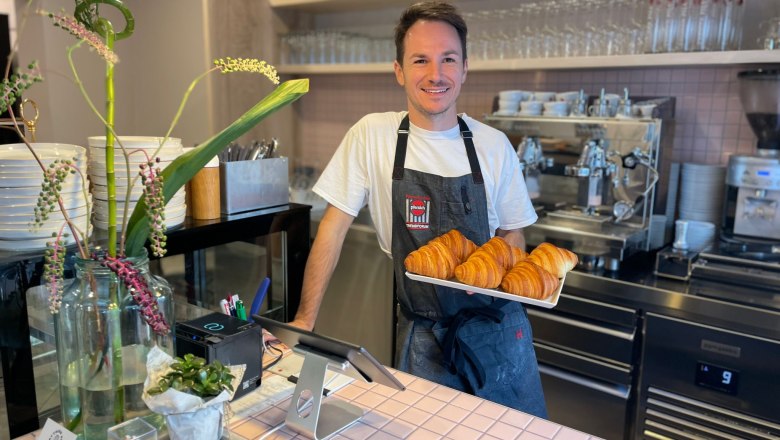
{"x": 465, "y": 133}
{"x": 471, "y": 152}
{"x": 400, "y": 149}
{"x": 457, "y": 354}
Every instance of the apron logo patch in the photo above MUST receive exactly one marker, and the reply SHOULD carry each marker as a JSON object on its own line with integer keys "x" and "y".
{"x": 418, "y": 212}
{"x": 519, "y": 334}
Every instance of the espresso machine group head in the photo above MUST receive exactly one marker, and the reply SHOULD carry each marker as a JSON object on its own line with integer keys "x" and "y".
{"x": 593, "y": 170}
{"x": 532, "y": 163}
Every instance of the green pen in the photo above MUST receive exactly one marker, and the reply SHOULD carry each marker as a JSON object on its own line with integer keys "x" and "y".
{"x": 240, "y": 310}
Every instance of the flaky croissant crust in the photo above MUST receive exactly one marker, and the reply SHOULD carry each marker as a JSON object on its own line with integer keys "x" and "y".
{"x": 530, "y": 280}
{"x": 499, "y": 249}
{"x": 480, "y": 270}
{"x": 461, "y": 246}
{"x": 432, "y": 260}
{"x": 553, "y": 259}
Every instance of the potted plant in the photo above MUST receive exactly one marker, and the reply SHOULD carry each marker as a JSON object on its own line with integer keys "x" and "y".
{"x": 107, "y": 320}
{"x": 190, "y": 393}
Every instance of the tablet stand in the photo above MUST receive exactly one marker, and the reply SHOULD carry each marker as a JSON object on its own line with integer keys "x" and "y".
{"x": 325, "y": 418}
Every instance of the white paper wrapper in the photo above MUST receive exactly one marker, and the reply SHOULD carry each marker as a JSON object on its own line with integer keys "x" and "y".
{"x": 186, "y": 415}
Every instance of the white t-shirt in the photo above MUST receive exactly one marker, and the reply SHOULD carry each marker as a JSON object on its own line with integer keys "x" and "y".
{"x": 361, "y": 170}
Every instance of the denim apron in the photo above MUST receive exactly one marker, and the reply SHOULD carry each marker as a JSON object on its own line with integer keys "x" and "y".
{"x": 474, "y": 343}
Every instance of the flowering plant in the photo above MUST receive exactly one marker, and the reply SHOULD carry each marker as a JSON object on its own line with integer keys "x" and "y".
{"x": 159, "y": 186}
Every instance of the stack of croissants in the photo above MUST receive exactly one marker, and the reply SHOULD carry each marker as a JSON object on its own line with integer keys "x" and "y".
{"x": 494, "y": 264}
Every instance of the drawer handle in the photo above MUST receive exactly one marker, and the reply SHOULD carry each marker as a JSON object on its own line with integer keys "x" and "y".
{"x": 582, "y": 325}
{"x": 615, "y": 391}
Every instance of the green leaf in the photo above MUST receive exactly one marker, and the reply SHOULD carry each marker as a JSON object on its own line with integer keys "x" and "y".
{"x": 183, "y": 168}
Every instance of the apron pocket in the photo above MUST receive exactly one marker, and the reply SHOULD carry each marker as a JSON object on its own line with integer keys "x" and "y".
{"x": 454, "y": 216}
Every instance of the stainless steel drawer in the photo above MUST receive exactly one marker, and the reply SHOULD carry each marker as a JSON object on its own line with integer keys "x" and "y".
{"x": 594, "y": 335}
{"x": 592, "y": 406}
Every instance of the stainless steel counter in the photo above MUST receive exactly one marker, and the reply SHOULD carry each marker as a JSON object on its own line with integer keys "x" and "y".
{"x": 700, "y": 363}
{"x": 637, "y": 287}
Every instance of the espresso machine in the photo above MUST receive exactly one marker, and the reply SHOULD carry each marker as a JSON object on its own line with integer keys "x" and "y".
{"x": 598, "y": 181}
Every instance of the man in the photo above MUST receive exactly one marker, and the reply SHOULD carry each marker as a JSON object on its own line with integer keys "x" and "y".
{"x": 422, "y": 173}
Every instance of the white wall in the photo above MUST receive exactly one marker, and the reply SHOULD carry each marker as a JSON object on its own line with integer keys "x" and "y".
{"x": 167, "y": 50}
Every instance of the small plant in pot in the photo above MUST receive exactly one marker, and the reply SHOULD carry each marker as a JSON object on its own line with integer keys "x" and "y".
{"x": 190, "y": 393}
{"x": 192, "y": 375}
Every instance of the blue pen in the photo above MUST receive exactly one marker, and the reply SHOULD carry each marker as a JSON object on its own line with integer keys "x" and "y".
{"x": 259, "y": 297}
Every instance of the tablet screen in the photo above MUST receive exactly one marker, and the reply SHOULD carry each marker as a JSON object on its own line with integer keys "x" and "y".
{"x": 359, "y": 357}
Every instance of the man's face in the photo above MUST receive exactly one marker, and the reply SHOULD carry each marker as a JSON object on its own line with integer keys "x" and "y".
{"x": 432, "y": 73}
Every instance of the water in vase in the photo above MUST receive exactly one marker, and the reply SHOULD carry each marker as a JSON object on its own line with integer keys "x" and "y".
{"x": 98, "y": 396}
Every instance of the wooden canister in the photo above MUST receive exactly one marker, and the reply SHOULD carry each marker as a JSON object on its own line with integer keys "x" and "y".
{"x": 204, "y": 187}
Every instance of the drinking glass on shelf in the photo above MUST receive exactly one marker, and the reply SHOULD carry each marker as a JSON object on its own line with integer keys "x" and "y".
{"x": 770, "y": 31}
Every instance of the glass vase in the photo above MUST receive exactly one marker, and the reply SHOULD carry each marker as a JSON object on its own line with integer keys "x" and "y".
{"x": 102, "y": 343}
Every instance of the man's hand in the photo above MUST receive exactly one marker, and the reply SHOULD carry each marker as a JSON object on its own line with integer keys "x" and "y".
{"x": 301, "y": 324}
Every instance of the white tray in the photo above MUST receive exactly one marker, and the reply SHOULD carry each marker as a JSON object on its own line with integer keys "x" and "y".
{"x": 548, "y": 303}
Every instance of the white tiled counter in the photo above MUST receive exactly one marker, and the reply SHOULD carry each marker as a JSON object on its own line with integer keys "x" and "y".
{"x": 424, "y": 410}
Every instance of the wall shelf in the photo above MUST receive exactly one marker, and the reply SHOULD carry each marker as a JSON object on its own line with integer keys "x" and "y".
{"x": 617, "y": 61}
{"x": 319, "y": 6}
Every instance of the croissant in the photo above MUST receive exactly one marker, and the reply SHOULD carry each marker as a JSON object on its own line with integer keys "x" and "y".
{"x": 458, "y": 243}
{"x": 530, "y": 280}
{"x": 432, "y": 260}
{"x": 499, "y": 249}
{"x": 480, "y": 270}
{"x": 518, "y": 255}
{"x": 555, "y": 260}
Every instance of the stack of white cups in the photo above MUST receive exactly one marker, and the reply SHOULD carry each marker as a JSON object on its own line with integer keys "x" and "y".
{"x": 509, "y": 101}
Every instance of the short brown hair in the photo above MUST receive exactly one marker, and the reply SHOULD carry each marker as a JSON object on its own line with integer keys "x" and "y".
{"x": 429, "y": 10}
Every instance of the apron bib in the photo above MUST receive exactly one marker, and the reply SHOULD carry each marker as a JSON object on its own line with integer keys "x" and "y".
{"x": 473, "y": 343}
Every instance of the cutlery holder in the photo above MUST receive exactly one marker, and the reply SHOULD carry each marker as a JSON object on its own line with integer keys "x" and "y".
{"x": 253, "y": 184}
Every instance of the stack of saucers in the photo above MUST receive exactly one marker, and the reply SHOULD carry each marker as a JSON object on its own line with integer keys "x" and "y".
{"x": 139, "y": 148}
{"x": 701, "y": 192}
{"x": 509, "y": 101}
{"x": 20, "y": 185}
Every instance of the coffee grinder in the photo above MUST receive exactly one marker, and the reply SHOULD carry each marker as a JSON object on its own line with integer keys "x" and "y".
{"x": 751, "y": 218}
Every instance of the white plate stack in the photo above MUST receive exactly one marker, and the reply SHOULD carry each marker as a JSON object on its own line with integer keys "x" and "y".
{"x": 20, "y": 185}
{"x": 138, "y": 147}
{"x": 701, "y": 192}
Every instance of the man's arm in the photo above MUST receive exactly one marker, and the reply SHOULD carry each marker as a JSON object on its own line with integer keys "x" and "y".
{"x": 322, "y": 261}
{"x": 515, "y": 237}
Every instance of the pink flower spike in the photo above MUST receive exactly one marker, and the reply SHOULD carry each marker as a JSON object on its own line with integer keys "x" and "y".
{"x": 79, "y": 31}
{"x": 139, "y": 290}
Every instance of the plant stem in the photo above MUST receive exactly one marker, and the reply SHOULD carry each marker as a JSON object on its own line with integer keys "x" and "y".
{"x": 110, "y": 176}
{"x": 184, "y": 100}
{"x": 113, "y": 317}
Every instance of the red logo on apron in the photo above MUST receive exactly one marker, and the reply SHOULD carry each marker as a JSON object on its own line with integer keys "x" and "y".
{"x": 417, "y": 212}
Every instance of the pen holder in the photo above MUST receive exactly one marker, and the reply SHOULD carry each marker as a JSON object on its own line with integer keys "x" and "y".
{"x": 253, "y": 184}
